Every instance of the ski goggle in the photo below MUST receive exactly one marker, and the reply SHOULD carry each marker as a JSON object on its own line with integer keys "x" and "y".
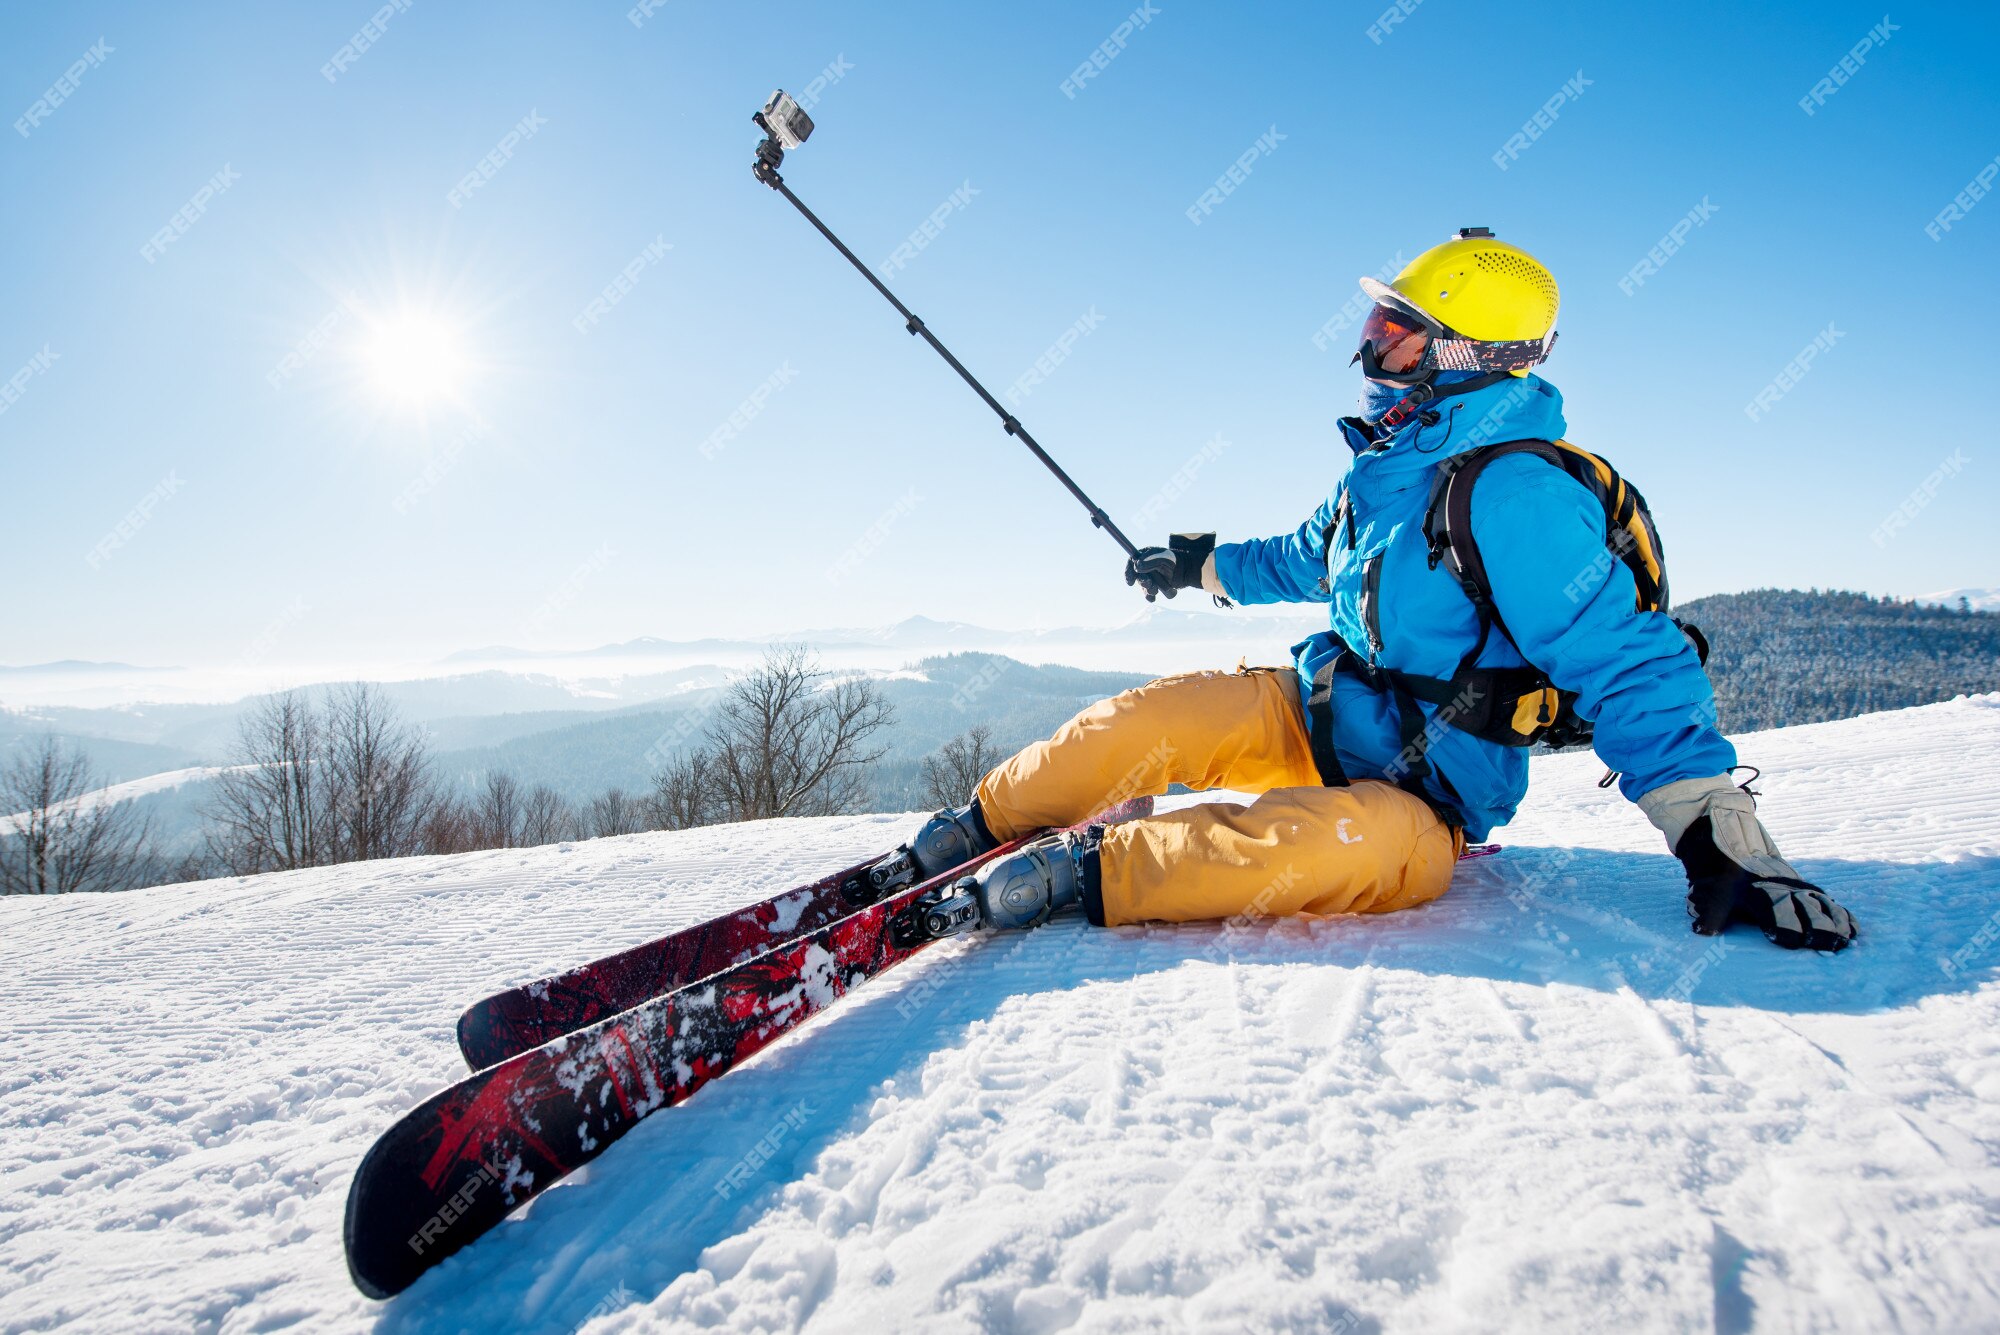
{"x": 1395, "y": 341}
{"x": 1400, "y": 346}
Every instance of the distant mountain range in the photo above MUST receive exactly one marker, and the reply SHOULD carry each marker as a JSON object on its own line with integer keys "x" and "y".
{"x": 918, "y": 633}
{"x": 582, "y": 755}
{"x": 502, "y": 679}
{"x": 76, "y": 666}
{"x": 585, "y": 722}
{"x": 1979, "y": 600}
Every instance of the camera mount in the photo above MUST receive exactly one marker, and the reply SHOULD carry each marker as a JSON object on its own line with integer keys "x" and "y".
{"x": 785, "y": 125}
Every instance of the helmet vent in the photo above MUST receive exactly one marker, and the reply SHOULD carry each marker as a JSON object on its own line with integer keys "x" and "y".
{"x": 1522, "y": 271}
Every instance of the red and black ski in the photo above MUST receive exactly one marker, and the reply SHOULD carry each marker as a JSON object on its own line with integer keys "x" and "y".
{"x": 465, "y": 1158}
{"x": 524, "y": 1017}
{"x": 512, "y": 1022}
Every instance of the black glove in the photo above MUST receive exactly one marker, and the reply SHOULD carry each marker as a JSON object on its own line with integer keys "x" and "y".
{"x": 1171, "y": 568}
{"x": 1795, "y": 914}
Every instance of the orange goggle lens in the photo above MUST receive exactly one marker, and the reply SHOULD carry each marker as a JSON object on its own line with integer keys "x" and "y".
{"x": 1398, "y": 340}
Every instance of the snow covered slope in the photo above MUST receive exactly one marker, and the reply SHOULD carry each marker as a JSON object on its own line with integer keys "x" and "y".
{"x": 126, "y": 791}
{"x": 1539, "y": 1103}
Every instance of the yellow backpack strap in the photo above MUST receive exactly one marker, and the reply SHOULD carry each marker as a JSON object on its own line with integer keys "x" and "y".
{"x": 1628, "y": 523}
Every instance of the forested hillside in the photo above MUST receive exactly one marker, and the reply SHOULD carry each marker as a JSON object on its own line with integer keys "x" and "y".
{"x": 1785, "y": 656}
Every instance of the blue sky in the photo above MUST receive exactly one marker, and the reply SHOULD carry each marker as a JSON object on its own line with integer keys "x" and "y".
{"x": 541, "y": 485}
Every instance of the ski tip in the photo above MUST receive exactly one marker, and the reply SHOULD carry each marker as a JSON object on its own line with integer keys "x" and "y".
{"x": 1132, "y": 808}
{"x": 364, "y": 1266}
{"x": 368, "y": 1290}
{"x": 497, "y": 1029}
{"x": 475, "y": 1037}
{"x": 397, "y": 1225}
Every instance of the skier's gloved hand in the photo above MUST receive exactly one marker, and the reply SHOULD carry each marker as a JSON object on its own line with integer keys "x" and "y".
{"x": 1734, "y": 871}
{"x": 1181, "y": 564}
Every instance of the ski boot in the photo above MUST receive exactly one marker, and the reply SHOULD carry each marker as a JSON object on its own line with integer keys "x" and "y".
{"x": 949, "y": 839}
{"x": 1021, "y": 891}
{"x": 1014, "y": 893}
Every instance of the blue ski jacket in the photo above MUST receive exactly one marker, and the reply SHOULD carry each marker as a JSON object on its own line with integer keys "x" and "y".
{"x": 1570, "y": 606}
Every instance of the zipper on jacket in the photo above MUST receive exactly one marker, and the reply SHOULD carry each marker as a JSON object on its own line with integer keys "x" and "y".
{"x": 1371, "y": 602}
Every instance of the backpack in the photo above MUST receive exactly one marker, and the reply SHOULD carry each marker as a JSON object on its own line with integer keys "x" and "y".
{"x": 1520, "y": 706}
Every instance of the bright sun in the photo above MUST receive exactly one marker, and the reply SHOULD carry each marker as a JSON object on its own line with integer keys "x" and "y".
{"x": 415, "y": 358}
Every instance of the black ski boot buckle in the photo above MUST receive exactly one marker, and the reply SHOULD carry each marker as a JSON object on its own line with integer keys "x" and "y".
{"x": 945, "y": 911}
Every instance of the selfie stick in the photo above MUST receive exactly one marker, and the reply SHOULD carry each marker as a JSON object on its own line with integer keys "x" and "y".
{"x": 786, "y": 125}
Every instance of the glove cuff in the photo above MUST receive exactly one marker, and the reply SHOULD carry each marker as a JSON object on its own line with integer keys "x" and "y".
{"x": 1733, "y": 828}
{"x": 1674, "y": 806}
{"x": 1191, "y": 552}
{"x": 1210, "y": 581}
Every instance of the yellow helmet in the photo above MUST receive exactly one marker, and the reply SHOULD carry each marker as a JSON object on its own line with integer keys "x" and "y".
{"x": 1492, "y": 306}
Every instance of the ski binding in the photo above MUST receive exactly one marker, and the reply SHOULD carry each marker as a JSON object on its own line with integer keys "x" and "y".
{"x": 945, "y": 911}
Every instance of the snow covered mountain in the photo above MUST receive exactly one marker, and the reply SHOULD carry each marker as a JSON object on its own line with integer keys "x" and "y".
{"x": 1978, "y": 599}
{"x": 922, "y": 635}
{"x": 500, "y": 679}
{"x": 1538, "y": 1103}
{"x": 124, "y": 792}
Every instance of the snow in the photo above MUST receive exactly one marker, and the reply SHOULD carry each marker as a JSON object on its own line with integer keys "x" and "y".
{"x": 1978, "y": 599}
{"x": 1537, "y": 1104}
{"x": 126, "y": 791}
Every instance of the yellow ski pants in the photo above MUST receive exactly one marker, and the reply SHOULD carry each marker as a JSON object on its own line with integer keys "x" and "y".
{"x": 1300, "y": 847}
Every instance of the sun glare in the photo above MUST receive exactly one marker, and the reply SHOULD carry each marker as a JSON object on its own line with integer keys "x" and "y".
{"x": 415, "y": 358}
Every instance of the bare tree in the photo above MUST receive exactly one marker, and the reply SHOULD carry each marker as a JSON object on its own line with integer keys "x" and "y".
{"x": 378, "y": 783}
{"x": 268, "y": 811}
{"x": 786, "y": 741}
{"x": 191, "y": 867}
{"x": 614, "y": 812}
{"x": 546, "y": 818}
{"x": 55, "y": 837}
{"x": 496, "y": 812}
{"x": 451, "y": 826}
{"x": 953, "y": 773}
{"x": 684, "y": 794}
{"x": 501, "y": 814}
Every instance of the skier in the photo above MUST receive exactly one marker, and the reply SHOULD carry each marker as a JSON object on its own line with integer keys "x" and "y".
{"x": 1381, "y": 751}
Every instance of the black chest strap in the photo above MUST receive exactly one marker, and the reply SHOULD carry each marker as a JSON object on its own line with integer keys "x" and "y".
{"x": 1319, "y": 725}
{"x": 1411, "y": 767}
